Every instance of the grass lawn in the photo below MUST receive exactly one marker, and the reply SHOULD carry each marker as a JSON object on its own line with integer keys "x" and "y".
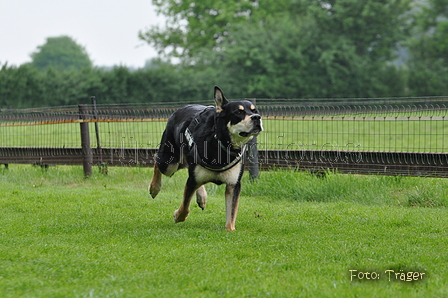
{"x": 297, "y": 236}
{"x": 363, "y": 135}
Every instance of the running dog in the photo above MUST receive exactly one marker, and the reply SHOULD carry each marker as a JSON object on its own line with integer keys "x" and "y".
{"x": 211, "y": 142}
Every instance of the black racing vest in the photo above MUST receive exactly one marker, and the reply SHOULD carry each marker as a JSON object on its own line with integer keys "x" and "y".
{"x": 232, "y": 157}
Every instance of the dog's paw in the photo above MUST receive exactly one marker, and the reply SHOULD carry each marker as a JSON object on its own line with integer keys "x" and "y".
{"x": 202, "y": 201}
{"x": 180, "y": 216}
{"x": 201, "y": 205}
{"x": 230, "y": 227}
{"x": 153, "y": 190}
{"x": 201, "y": 197}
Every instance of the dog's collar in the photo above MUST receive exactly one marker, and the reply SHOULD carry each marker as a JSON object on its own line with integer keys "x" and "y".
{"x": 238, "y": 157}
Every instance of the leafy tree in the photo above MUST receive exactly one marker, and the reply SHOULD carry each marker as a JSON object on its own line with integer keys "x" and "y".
{"x": 192, "y": 26}
{"x": 20, "y": 86}
{"x": 288, "y": 48}
{"x": 61, "y": 53}
{"x": 374, "y": 27}
{"x": 70, "y": 87}
{"x": 428, "y": 64}
{"x": 317, "y": 53}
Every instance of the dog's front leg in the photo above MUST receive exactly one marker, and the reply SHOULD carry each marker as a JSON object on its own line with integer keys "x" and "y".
{"x": 232, "y": 198}
{"x": 184, "y": 209}
{"x": 156, "y": 182}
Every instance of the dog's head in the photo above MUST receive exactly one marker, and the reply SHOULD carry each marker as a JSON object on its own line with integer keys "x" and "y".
{"x": 241, "y": 118}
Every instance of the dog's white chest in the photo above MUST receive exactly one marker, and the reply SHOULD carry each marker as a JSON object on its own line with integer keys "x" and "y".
{"x": 230, "y": 176}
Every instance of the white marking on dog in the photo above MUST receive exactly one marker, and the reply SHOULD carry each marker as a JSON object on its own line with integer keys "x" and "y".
{"x": 171, "y": 169}
{"x": 230, "y": 176}
{"x": 245, "y": 125}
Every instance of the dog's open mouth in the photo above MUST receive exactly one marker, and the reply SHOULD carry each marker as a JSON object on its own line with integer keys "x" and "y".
{"x": 253, "y": 132}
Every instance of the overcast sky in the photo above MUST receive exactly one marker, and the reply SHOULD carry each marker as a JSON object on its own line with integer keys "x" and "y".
{"x": 108, "y": 29}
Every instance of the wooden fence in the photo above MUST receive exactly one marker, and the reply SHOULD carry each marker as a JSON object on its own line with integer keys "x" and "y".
{"x": 393, "y": 136}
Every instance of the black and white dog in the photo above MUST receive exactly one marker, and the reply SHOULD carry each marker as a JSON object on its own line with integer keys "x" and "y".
{"x": 211, "y": 142}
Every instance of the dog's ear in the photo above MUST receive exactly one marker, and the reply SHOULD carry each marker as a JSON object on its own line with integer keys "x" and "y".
{"x": 220, "y": 99}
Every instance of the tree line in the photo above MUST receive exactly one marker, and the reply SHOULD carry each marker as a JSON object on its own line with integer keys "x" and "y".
{"x": 262, "y": 49}
{"x": 26, "y": 87}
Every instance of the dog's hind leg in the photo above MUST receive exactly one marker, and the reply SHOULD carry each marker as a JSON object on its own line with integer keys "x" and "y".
{"x": 156, "y": 182}
{"x": 201, "y": 197}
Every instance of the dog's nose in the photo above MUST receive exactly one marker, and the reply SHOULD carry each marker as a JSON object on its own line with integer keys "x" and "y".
{"x": 255, "y": 117}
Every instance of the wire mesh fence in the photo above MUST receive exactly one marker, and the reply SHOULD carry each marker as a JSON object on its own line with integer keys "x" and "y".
{"x": 389, "y": 125}
{"x": 403, "y": 136}
{"x": 119, "y": 126}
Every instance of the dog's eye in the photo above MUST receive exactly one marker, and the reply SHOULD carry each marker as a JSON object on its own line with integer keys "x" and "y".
{"x": 240, "y": 112}
{"x": 255, "y": 111}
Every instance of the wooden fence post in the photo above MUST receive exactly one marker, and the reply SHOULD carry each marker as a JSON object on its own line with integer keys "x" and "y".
{"x": 87, "y": 155}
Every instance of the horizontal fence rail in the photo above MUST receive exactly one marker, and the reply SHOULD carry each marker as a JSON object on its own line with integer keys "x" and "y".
{"x": 390, "y": 136}
{"x": 380, "y": 163}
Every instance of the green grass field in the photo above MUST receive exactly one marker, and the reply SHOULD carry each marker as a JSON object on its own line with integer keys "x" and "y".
{"x": 297, "y": 236}
{"x": 363, "y": 135}
{"x": 112, "y": 134}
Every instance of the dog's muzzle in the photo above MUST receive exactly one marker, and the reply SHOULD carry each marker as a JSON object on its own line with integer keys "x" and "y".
{"x": 257, "y": 127}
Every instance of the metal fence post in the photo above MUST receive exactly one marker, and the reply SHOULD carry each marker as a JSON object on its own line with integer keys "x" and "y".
{"x": 252, "y": 152}
{"x": 87, "y": 159}
{"x": 252, "y": 159}
{"x": 102, "y": 165}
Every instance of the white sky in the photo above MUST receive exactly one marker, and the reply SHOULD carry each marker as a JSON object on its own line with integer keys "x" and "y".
{"x": 107, "y": 29}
